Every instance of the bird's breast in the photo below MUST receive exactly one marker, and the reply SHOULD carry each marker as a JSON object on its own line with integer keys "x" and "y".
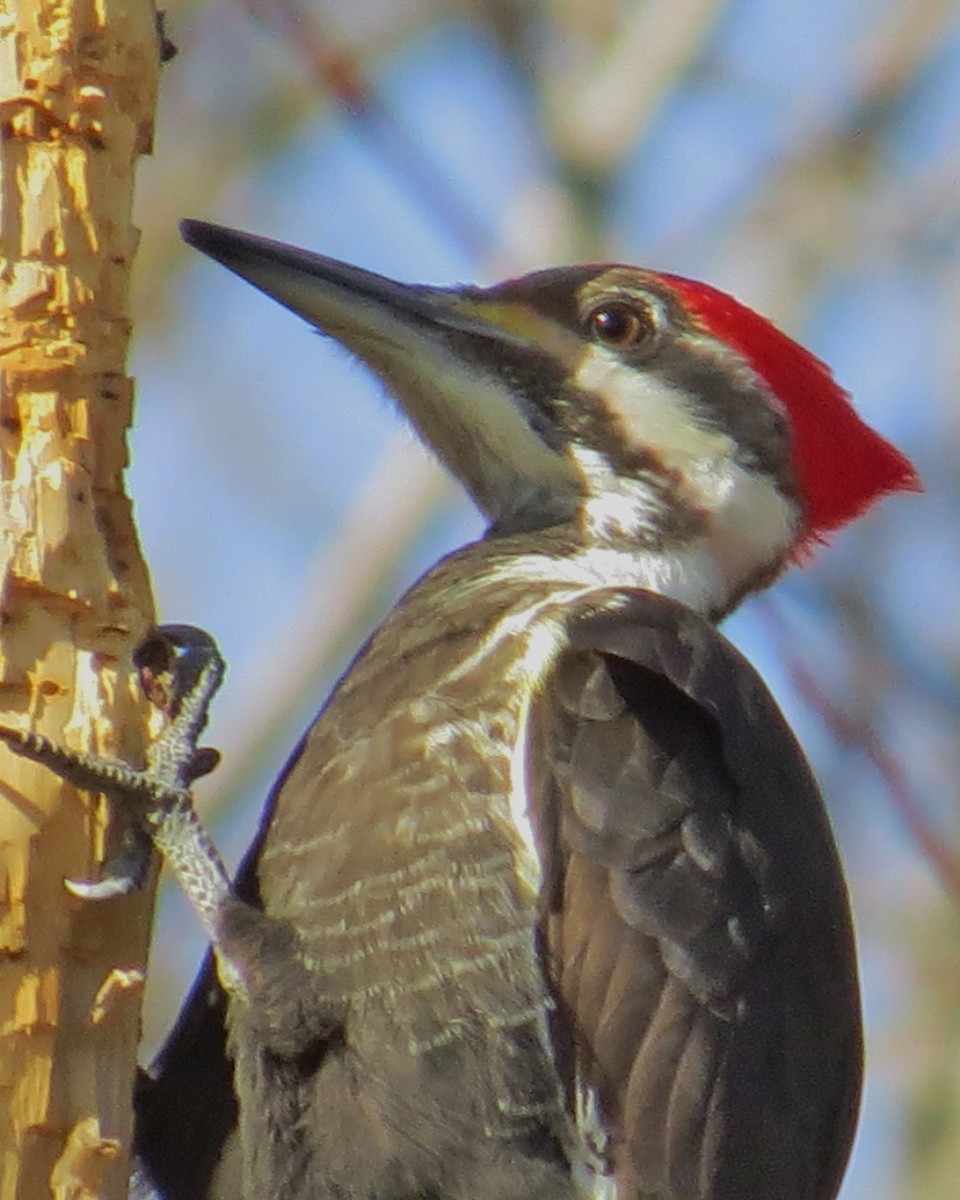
{"x": 402, "y": 849}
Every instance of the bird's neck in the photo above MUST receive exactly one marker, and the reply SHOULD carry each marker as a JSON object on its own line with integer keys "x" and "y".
{"x": 684, "y": 573}
{"x": 710, "y": 572}
{"x": 705, "y": 537}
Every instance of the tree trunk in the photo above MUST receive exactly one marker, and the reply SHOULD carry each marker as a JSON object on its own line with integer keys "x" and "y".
{"x": 77, "y": 93}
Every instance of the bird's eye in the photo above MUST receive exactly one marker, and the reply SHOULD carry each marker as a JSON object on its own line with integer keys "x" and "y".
{"x": 620, "y": 324}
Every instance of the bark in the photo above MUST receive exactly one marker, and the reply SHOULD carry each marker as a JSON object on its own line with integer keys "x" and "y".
{"x": 77, "y": 93}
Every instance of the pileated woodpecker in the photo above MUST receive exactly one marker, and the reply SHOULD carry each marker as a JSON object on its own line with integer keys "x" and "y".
{"x": 551, "y": 907}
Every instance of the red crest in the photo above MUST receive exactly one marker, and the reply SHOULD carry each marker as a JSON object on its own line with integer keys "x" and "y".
{"x": 843, "y": 465}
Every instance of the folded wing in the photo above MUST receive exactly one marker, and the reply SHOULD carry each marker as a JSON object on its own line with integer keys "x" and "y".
{"x": 697, "y": 926}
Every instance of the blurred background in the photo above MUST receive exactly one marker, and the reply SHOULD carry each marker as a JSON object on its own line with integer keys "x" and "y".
{"x": 803, "y": 156}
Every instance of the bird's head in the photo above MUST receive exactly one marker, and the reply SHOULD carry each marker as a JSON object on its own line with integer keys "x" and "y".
{"x": 646, "y": 410}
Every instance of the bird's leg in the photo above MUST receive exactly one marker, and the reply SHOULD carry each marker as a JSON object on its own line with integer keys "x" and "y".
{"x": 180, "y": 670}
{"x": 259, "y": 957}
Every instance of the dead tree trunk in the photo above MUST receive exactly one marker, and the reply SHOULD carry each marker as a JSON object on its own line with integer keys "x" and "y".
{"x": 77, "y": 94}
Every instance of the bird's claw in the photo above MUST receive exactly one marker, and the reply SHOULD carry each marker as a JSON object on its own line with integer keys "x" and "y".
{"x": 171, "y": 660}
{"x": 180, "y": 669}
{"x": 121, "y": 873}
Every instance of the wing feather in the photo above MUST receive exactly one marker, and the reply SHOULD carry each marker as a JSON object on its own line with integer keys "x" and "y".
{"x": 699, "y": 935}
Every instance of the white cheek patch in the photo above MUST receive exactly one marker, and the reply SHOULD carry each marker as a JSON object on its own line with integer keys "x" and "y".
{"x": 652, "y": 415}
{"x": 754, "y": 525}
{"x": 750, "y": 523}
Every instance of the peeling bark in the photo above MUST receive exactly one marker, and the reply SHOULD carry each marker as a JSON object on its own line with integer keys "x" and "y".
{"x": 77, "y": 94}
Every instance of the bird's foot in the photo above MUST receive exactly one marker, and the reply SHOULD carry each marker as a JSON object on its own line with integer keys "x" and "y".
{"x": 180, "y": 670}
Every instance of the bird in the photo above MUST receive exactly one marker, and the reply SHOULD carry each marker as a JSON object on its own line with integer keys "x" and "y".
{"x": 546, "y": 904}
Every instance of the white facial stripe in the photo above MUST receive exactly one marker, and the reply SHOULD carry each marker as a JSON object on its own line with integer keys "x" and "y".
{"x": 471, "y": 420}
{"x": 651, "y": 414}
{"x": 750, "y": 524}
{"x": 753, "y": 523}
{"x": 617, "y": 506}
{"x": 484, "y": 410}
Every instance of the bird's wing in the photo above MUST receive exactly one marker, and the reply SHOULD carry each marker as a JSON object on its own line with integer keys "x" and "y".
{"x": 697, "y": 927}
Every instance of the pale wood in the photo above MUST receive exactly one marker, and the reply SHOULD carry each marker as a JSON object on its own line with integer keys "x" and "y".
{"x": 77, "y": 93}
